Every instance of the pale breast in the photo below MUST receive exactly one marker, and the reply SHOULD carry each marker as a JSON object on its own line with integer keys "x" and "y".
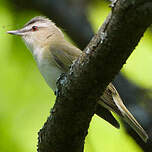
{"x": 50, "y": 73}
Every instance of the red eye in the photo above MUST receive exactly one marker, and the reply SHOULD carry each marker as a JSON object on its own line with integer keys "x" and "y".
{"x": 34, "y": 28}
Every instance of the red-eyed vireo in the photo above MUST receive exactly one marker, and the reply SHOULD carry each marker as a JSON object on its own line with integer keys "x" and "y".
{"x": 53, "y": 55}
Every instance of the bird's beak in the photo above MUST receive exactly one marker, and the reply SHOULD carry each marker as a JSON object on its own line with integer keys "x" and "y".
{"x": 16, "y": 32}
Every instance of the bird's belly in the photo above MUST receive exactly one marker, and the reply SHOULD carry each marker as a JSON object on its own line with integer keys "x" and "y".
{"x": 50, "y": 74}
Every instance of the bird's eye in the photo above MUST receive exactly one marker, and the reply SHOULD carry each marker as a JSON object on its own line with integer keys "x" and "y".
{"x": 34, "y": 28}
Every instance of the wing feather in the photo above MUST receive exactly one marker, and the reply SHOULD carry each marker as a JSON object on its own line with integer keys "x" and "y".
{"x": 64, "y": 55}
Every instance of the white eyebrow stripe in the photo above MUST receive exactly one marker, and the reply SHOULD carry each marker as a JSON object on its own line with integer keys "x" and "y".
{"x": 28, "y": 27}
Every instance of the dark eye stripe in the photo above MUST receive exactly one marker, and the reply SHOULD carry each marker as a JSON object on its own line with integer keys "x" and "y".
{"x": 33, "y": 21}
{"x": 29, "y": 23}
{"x": 28, "y": 30}
{"x": 37, "y": 19}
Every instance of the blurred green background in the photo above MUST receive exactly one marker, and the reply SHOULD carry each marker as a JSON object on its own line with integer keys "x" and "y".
{"x": 25, "y": 98}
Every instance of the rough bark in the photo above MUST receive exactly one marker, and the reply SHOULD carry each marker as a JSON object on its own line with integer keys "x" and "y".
{"x": 66, "y": 127}
{"x": 49, "y": 8}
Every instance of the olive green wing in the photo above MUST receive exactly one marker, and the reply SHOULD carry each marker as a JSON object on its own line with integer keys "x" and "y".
{"x": 64, "y": 55}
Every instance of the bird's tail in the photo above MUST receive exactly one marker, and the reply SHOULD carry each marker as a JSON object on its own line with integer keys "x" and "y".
{"x": 128, "y": 117}
{"x": 112, "y": 101}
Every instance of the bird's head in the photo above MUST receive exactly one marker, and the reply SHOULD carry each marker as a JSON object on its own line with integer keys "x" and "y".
{"x": 38, "y": 32}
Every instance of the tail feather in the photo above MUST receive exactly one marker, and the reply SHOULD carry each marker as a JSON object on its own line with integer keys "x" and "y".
{"x": 135, "y": 125}
{"x": 128, "y": 117}
{"x": 112, "y": 101}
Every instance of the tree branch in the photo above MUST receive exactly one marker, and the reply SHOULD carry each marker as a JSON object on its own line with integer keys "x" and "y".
{"x": 79, "y": 24}
{"x": 67, "y": 126}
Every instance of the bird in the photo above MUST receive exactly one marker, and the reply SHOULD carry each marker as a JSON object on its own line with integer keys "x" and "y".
{"x": 54, "y": 55}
